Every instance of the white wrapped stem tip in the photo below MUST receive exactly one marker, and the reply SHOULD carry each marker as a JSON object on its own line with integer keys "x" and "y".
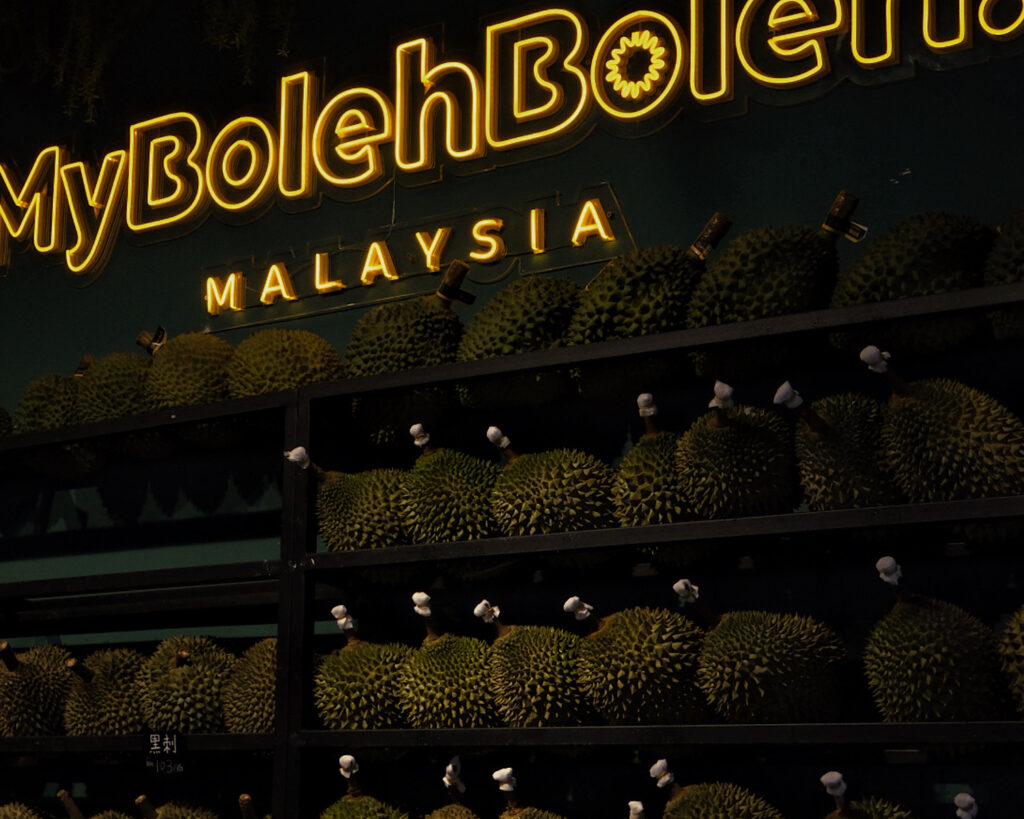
{"x": 298, "y": 456}
{"x": 723, "y": 397}
{"x": 877, "y": 361}
{"x": 421, "y": 603}
{"x": 347, "y": 765}
{"x": 505, "y": 777}
{"x": 451, "y": 776}
{"x": 966, "y": 807}
{"x": 687, "y": 591}
{"x": 344, "y": 620}
{"x": 659, "y": 770}
{"x": 645, "y": 405}
{"x": 419, "y": 434}
{"x": 577, "y": 608}
{"x": 786, "y": 395}
{"x": 636, "y": 810}
{"x": 486, "y": 612}
{"x": 889, "y": 570}
{"x": 498, "y": 438}
{"x": 834, "y": 783}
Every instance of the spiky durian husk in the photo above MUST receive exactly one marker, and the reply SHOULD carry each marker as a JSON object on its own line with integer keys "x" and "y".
{"x": 249, "y": 699}
{"x": 872, "y": 808}
{"x": 647, "y": 488}
{"x": 443, "y": 684}
{"x": 947, "y": 441}
{"x": 758, "y": 666}
{"x": 355, "y": 688}
{"x": 743, "y": 468}
{"x": 1011, "y": 654}
{"x": 32, "y": 697}
{"x": 403, "y": 335}
{"x": 274, "y": 360}
{"x": 107, "y": 705}
{"x": 174, "y": 810}
{"x": 640, "y": 667}
{"x": 930, "y": 660}
{"x": 113, "y": 387}
{"x": 843, "y": 468}
{"x": 111, "y": 814}
{"x": 189, "y": 369}
{"x": 362, "y": 510}
{"x": 718, "y": 800}
{"x": 362, "y": 807}
{"x": 188, "y": 698}
{"x": 6, "y": 425}
{"x": 16, "y": 810}
{"x": 529, "y": 813}
{"x": 534, "y": 674}
{"x": 446, "y": 496}
{"x": 563, "y": 490}
{"x": 452, "y": 812}
{"x": 1005, "y": 265}
{"x": 48, "y": 402}
{"x": 926, "y": 254}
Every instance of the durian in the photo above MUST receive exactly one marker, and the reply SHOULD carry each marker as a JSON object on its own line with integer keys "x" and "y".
{"x": 534, "y": 673}
{"x": 838, "y": 449}
{"x": 172, "y": 810}
{"x": 16, "y": 810}
{"x": 452, "y": 812}
{"x": 736, "y": 461}
{"x": 647, "y": 488}
{"x": 930, "y": 660}
{"x": 513, "y": 809}
{"x": 34, "y": 686}
{"x": 869, "y": 808}
{"x": 926, "y": 254}
{"x": 638, "y": 666}
{"x": 188, "y": 369}
{"x": 112, "y": 387}
{"x": 531, "y": 314}
{"x": 275, "y": 360}
{"x": 561, "y": 490}
{"x": 444, "y": 683}
{"x": 355, "y": 804}
{"x": 446, "y": 496}
{"x": 1005, "y": 265}
{"x": 361, "y": 510}
{"x": 103, "y": 697}
{"x": 768, "y": 271}
{"x": 249, "y": 695}
{"x": 355, "y": 686}
{"x": 709, "y": 800}
{"x": 182, "y": 685}
{"x": 1011, "y": 653}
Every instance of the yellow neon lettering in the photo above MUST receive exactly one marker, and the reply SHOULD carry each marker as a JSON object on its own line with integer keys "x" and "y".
{"x": 462, "y": 123}
{"x": 484, "y": 232}
{"x": 858, "y": 42}
{"x": 278, "y": 285}
{"x": 295, "y": 172}
{"x": 789, "y": 45}
{"x": 346, "y": 129}
{"x": 537, "y": 237}
{"x": 40, "y": 201}
{"x": 95, "y": 205}
{"x": 725, "y": 53}
{"x": 994, "y": 32}
{"x": 433, "y": 246}
{"x": 521, "y": 111}
{"x": 962, "y": 39}
{"x": 592, "y": 221}
{"x": 378, "y": 263}
{"x": 227, "y": 294}
{"x": 259, "y": 165}
{"x": 610, "y": 55}
{"x": 322, "y": 274}
{"x": 147, "y": 176}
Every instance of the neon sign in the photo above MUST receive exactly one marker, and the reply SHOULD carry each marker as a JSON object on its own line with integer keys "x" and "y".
{"x": 542, "y": 78}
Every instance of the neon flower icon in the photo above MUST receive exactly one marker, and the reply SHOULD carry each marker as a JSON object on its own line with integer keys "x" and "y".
{"x": 618, "y": 65}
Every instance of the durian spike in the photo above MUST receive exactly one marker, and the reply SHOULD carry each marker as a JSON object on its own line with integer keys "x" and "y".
{"x": 453, "y": 781}
{"x": 721, "y": 404}
{"x": 664, "y": 778}
{"x": 837, "y": 221}
{"x": 84, "y": 363}
{"x": 507, "y": 784}
{"x": 348, "y": 768}
{"x": 152, "y": 342}
{"x": 246, "y": 807}
{"x": 878, "y": 362}
{"x": 966, "y": 807}
{"x": 715, "y": 229}
{"x": 421, "y": 438}
{"x": 490, "y": 613}
{"x": 81, "y": 669}
{"x": 791, "y": 399}
{"x": 69, "y": 805}
{"x": 835, "y": 786}
{"x": 145, "y": 807}
{"x": 451, "y": 284}
{"x": 503, "y": 444}
{"x": 648, "y": 410}
{"x": 8, "y": 657}
{"x": 581, "y": 611}
{"x": 347, "y": 624}
{"x": 636, "y": 810}
{"x": 421, "y": 605}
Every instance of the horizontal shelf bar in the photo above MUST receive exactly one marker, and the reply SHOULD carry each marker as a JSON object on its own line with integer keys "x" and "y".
{"x": 869, "y": 733}
{"x": 794, "y": 523}
{"x": 134, "y": 744}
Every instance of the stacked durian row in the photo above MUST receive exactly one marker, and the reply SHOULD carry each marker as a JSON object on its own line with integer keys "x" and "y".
{"x": 189, "y": 684}
{"x": 143, "y": 808}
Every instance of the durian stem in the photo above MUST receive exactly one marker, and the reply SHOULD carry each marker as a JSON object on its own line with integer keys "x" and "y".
{"x": 353, "y": 788}
{"x": 501, "y": 628}
{"x": 451, "y": 283}
{"x": 319, "y": 475}
{"x": 352, "y": 639}
{"x": 717, "y": 226}
{"x": 650, "y": 425}
{"x": 245, "y": 806}
{"x": 434, "y": 630}
{"x": 146, "y": 809}
{"x": 512, "y": 801}
{"x": 81, "y": 669}
{"x": 7, "y": 655}
{"x": 511, "y": 456}
{"x": 839, "y": 213}
{"x": 897, "y": 384}
{"x": 84, "y": 363}
{"x": 816, "y": 423}
{"x": 719, "y": 418}
{"x": 69, "y": 805}
{"x": 841, "y": 807}
{"x": 181, "y": 658}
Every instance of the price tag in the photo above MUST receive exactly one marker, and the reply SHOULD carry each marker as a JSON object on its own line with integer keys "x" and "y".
{"x": 164, "y": 753}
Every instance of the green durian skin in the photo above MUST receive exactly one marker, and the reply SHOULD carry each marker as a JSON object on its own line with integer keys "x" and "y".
{"x": 48, "y": 402}
{"x": 872, "y": 808}
{"x": 562, "y": 490}
{"x": 276, "y": 360}
{"x": 189, "y": 369}
{"x": 929, "y": 660}
{"x": 640, "y": 667}
{"x": 768, "y": 667}
{"x": 361, "y": 807}
{"x": 647, "y": 489}
{"x": 33, "y": 696}
{"x": 174, "y": 810}
{"x": 355, "y": 687}
{"x": 452, "y": 812}
{"x": 112, "y": 387}
{"x": 16, "y": 810}
{"x": 446, "y": 497}
{"x": 403, "y": 335}
{"x": 1005, "y": 265}
{"x": 534, "y": 675}
{"x": 743, "y": 468}
{"x": 106, "y": 705}
{"x": 190, "y": 698}
{"x": 6, "y": 424}
{"x": 111, "y": 814}
{"x": 718, "y": 800}
{"x": 530, "y": 813}
{"x": 361, "y": 510}
{"x": 843, "y": 468}
{"x": 249, "y": 695}
{"x": 1011, "y": 656}
{"x": 947, "y": 441}
{"x": 443, "y": 684}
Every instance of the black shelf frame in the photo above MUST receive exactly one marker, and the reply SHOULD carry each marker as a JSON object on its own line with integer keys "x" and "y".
{"x": 286, "y": 587}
